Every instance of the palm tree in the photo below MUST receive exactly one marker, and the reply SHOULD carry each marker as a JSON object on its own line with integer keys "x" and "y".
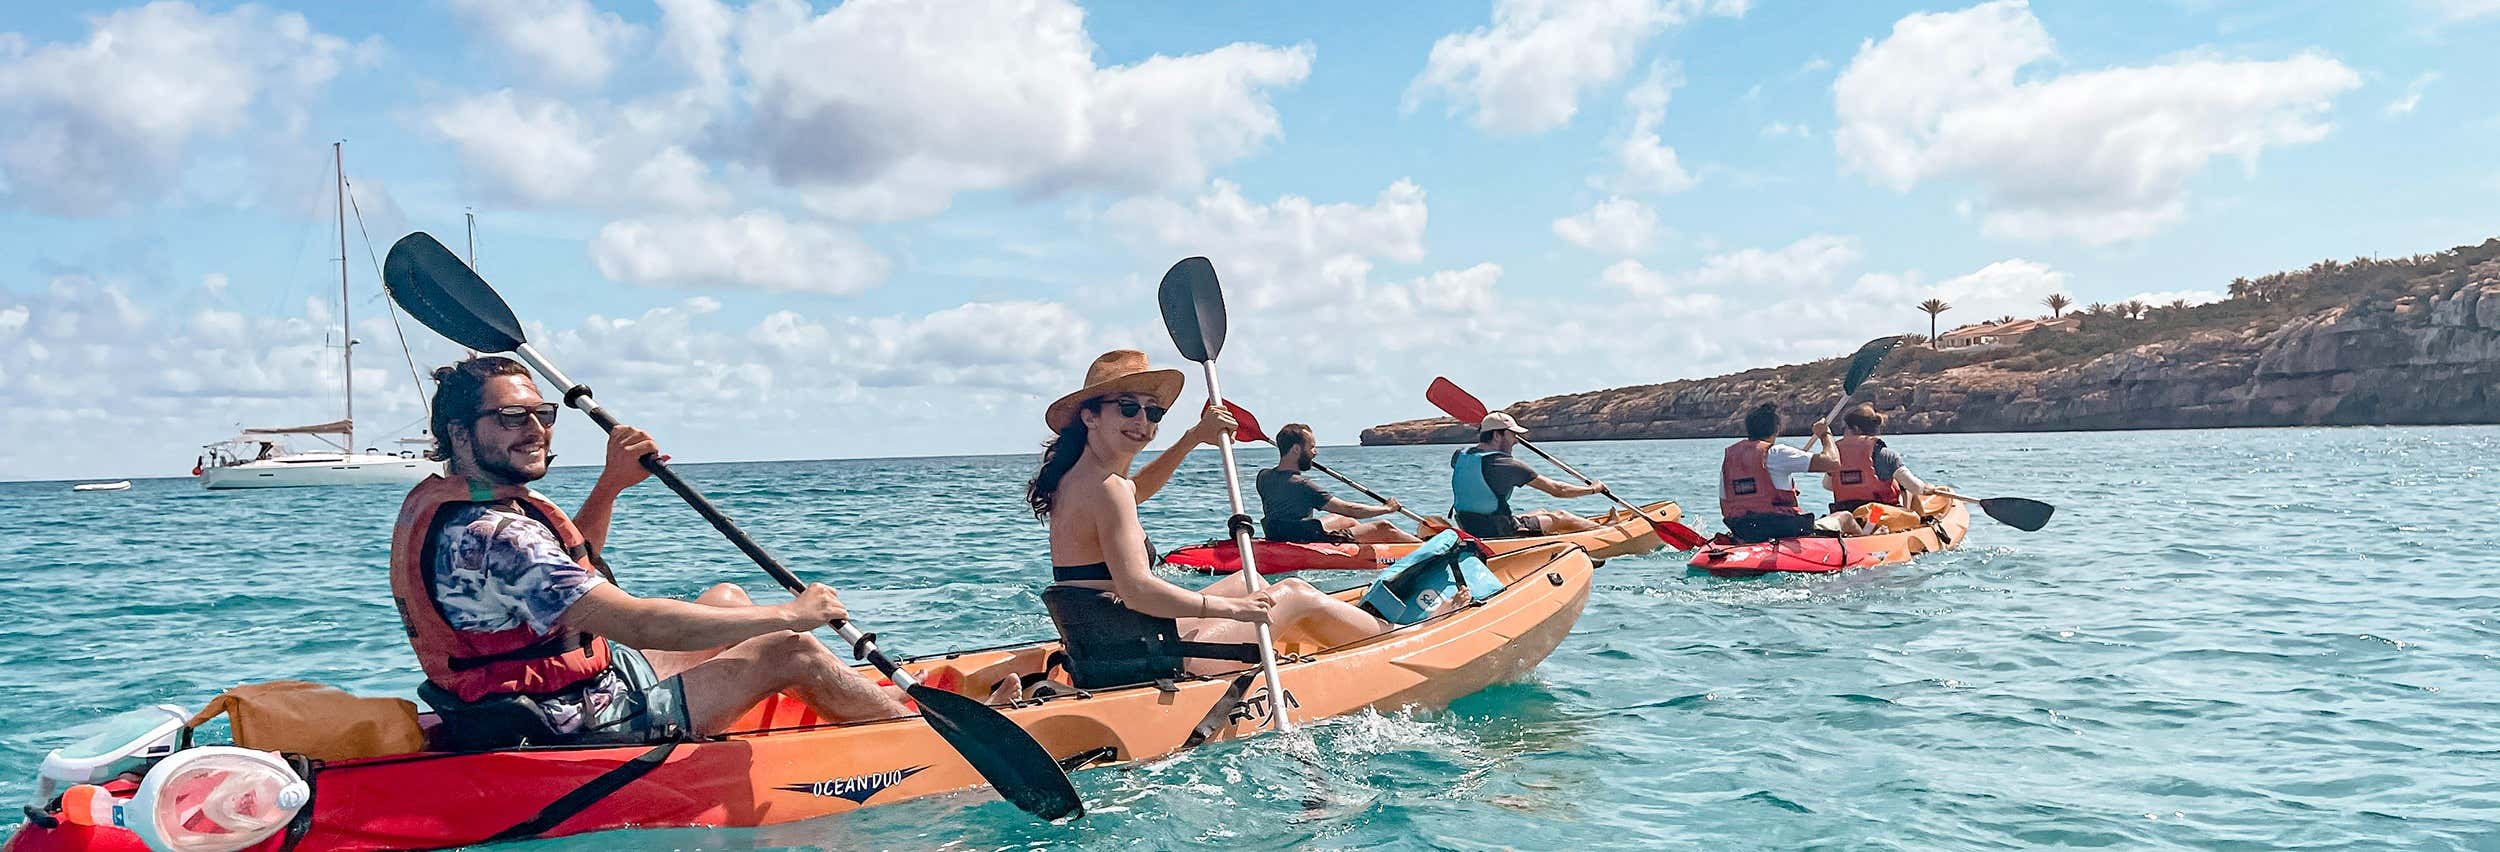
{"x": 2178, "y": 304}
{"x": 2132, "y": 309}
{"x": 2057, "y": 303}
{"x": 1933, "y": 307}
{"x": 2241, "y": 288}
{"x": 2097, "y": 309}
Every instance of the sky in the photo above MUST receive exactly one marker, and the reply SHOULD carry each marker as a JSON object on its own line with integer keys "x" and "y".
{"x": 780, "y": 230}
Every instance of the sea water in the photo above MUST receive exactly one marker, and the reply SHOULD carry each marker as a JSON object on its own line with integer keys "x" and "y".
{"x": 2253, "y": 639}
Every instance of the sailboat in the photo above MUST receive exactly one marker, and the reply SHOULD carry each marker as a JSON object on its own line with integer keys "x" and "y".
{"x": 261, "y": 457}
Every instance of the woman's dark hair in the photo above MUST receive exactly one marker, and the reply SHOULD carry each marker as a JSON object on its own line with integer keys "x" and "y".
{"x": 1763, "y": 422}
{"x": 1058, "y": 456}
{"x": 1865, "y": 419}
{"x": 456, "y": 392}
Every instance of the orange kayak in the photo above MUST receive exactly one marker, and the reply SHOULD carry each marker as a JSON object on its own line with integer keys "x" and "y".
{"x": 786, "y": 765}
{"x": 1619, "y": 534}
{"x": 1945, "y": 524}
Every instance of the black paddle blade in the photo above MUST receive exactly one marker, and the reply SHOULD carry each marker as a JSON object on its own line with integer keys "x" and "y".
{"x": 1193, "y": 309}
{"x": 2021, "y": 513}
{"x": 1862, "y": 364}
{"x": 432, "y": 284}
{"x": 1004, "y": 754}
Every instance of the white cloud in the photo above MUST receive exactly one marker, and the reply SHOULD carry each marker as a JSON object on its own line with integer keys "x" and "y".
{"x": 695, "y": 33}
{"x": 96, "y": 126}
{"x": 2004, "y": 288}
{"x": 2453, "y": 11}
{"x": 1780, "y": 129}
{"x": 2404, "y": 104}
{"x": 1286, "y": 250}
{"x": 564, "y": 43}
{"x": 543, "y": 150}
{"x": 1526, "y": 71}
{"x": 756, "y": 250}
{"x": 1646, "y": 164}
{"x": 1617, "y": 226}
{"x": 2095, "y": 156}
{"x": 885, "y": 110}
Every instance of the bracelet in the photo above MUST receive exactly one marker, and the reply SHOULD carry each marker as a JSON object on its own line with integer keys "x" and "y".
{"x": 1202, "y": 604}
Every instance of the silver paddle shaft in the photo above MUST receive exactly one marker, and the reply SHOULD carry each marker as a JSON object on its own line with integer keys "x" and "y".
{"x": 1249, "y": 563}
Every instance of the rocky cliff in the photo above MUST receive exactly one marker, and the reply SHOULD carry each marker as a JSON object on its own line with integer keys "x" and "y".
{"x": 2406, "y": 341}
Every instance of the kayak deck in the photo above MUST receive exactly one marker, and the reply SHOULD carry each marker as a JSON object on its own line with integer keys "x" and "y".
{"x": 1618, "y": 534}
{"x": 788, "y": 765}
{"x": 1947, "y": 523}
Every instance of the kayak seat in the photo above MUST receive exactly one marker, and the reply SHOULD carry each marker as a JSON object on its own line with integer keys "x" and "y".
{"x": 1110, "y": 645}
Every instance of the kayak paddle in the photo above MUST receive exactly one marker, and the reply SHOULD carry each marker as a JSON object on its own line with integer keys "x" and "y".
{"x": 1458, "y": 403}
{"x": 1861, "y": 366}
{"x": 2022, "y": 513}
{"x": 1193, "y": 311}
{"x": 1247, "y": 429}
{"x": 447, "y": 296}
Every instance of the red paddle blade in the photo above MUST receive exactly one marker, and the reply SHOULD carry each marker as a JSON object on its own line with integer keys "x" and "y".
{"x": 1455, "y": 401}
{"x": 1245, "y": 427}
{"x": 1677, "y": 535}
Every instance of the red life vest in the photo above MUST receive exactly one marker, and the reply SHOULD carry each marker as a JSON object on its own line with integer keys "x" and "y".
{"x": 472, "y": 664}
{"x": 1856, "y": 479}
{"x": 1745, "y": 486}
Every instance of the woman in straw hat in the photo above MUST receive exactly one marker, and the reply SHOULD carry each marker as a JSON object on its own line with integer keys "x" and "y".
{"x": 1147, "y": 627}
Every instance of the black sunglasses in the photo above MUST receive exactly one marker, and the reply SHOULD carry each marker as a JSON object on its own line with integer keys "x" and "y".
{"x": 1130, "y": 407}
{"x": 515, "y": 416}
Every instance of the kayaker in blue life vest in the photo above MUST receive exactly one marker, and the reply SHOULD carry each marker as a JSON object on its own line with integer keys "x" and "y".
{"x": 1482, "y": 477}
{"x": 1870, "y": 472}
{"x": 1119, "y": 623}
{"x": 1757, "y": 479}
{"x": 1288, "y": 499}
{"x": 521, "y": 631}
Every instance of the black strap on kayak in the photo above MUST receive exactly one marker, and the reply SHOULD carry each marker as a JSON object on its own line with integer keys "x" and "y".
{"x": 1220, "y": 716}
{"x": 573, "y": 803}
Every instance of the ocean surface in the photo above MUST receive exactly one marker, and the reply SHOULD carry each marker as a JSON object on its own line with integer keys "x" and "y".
{"x": 2260, "y": 639}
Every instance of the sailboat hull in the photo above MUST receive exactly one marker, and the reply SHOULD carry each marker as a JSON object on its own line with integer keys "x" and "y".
{"x": 310, "y": 469}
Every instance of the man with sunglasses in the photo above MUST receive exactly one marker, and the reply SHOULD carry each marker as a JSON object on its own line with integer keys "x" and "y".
{"x": 1289, "y": 498}
{"x": 522, "y": 631}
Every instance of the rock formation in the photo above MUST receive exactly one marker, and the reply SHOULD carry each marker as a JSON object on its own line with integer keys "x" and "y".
{"x": 2405, "y": 341}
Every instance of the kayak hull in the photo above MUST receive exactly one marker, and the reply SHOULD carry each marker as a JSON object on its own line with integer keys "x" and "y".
{"x": 790, "y": 767}
{"x": 1618, "y": 534}
{"x": 1823, "y": 555}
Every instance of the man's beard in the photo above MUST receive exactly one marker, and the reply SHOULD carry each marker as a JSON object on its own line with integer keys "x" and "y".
{"x": 505, "y": 471}
{"x": 1302, "y": 461}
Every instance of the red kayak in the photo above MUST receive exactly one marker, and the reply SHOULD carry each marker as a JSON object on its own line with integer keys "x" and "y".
{"x": 1280, "y": 557}
{"x": 1824, "y": 554}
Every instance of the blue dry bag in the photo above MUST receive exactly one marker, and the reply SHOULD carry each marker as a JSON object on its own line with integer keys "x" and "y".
{"x": 1411, "y": 589}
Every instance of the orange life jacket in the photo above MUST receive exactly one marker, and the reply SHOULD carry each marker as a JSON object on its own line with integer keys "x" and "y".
{"x": 470, "y": 664}
{"x": 1856, "y": 479}
{"x": 1745, "y": 486}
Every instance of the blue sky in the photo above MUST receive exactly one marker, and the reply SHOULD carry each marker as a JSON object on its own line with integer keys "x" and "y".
{"x": 782, "y": 231}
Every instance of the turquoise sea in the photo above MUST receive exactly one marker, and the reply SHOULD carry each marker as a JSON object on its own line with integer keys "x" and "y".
{"x": 2257, "y": 639}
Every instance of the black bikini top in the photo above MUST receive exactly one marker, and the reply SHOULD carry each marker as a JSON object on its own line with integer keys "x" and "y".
{"x": 1099, "y": 571}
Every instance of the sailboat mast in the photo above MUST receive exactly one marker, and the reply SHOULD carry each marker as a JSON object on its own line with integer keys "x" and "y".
{"x": 472, "y": 217}
{"x": 347, "y": 332}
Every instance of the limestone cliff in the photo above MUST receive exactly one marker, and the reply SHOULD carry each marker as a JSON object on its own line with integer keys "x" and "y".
{"x": 2405, "y": 341}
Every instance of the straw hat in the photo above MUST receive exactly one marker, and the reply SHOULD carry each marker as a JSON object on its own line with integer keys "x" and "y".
{"x": 1117, "y": 371}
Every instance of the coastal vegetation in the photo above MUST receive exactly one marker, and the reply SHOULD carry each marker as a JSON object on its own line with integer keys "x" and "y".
{"x": 2412, "y": 339}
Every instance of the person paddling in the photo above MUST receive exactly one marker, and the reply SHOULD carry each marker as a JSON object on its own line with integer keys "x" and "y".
{"x": 1869, "y": 472}
{"x": 1757, "y": 479}
{"x": 1482, "y": 477}
{"x": 1288, "y": 499}
{"x": 1119, "y": 623}
{"x": 520, "y": 628}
